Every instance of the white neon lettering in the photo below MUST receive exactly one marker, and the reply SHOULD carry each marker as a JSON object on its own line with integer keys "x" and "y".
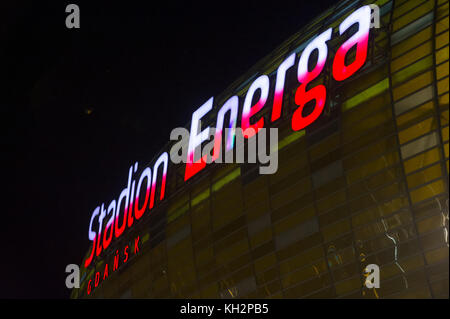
{"x": 318, "y": 43}
{"x": 92, "y": 234}
{"x": 279, "y": 86}
{"x": 231, "y": 105}
{"x": 262, "y": 83}
{"x": 196, "y": 138}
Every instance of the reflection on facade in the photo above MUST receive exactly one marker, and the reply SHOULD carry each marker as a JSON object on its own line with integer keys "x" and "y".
{"x": 366, "y": 184}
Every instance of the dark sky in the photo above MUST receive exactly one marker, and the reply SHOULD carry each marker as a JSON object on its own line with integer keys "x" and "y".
{"x": 142, "y": 68}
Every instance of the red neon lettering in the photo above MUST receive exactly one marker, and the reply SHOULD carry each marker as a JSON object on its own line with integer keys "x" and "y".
{"x": 125, "y": 251}
{"x": 362, "y": 16}
{"x": 97, "y": 278}
{"x": 99, "y": 245}
{"x": 107, "y": 241}
{"x": 105, "y": 274}
{"x": 89, "y": 260}
{"x": 109, "y": 224}
{"x": 123, "y": 197}
{"x": 162, "y": 160}
{"x": 279, "y": 86}
{"x": 136, "y": 243}
{"x": 303, "y": 96}
{"x": 262, "y": 83}
{"x": 130, "y": 215}
{"x": 140, "y": 211}
{"x": 196, "y": 138}
{"x": 89, "y": 288}
{"x": 146, "y": 174}
{"x": 317, "y": 93}
{"x": 116, "y": 261}
{"x": 130, "y": 206}
{"x": 194, "y": 168}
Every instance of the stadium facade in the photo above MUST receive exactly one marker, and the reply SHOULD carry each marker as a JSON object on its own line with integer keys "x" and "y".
{"x": 365, "y": 183}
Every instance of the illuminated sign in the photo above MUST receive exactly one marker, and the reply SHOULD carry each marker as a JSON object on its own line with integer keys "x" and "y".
{"x": 120, "y": 214}
{"x": 129, "y": 204}
{"x": 119, "y": 258}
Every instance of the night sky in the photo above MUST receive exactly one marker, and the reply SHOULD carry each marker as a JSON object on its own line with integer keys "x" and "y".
{"x": 81, "y": 105}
